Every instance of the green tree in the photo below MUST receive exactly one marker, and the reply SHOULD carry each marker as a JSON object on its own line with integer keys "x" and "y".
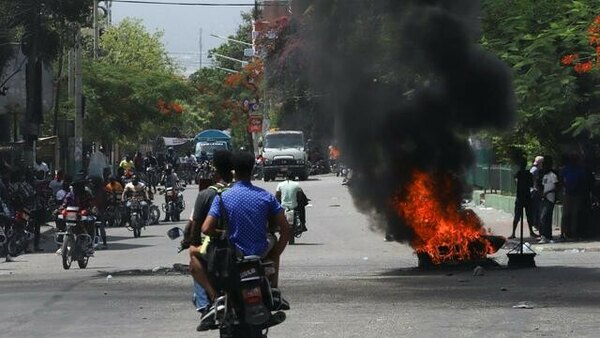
{"x": 219, "y": 96}
{"x": 128, "y": 43}
{"x": 126, "y": 105}
{"x": 532, "y": 37}
{"x": 133, "y": 90}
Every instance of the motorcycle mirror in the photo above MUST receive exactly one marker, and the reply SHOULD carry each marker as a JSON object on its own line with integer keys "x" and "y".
{"x": 174, "y": 233}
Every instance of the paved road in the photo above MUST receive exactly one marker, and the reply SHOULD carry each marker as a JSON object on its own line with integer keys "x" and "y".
{"x": 341, "y": 279}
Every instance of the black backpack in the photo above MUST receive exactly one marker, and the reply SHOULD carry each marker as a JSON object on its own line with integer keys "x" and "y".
{"x": 221, "y": 255}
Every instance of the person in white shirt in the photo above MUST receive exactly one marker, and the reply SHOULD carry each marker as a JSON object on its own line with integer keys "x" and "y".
{"x": 549, "y": 183}
{"x": 291, "y": 197}
{"x": 41, "y": 166}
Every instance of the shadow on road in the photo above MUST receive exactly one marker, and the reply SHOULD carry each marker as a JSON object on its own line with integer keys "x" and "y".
{"x": 551, "y": 286}
{"x": 124, "y": 246}
{"x": 111, "y": 239}
{"x": 307, "y": 244}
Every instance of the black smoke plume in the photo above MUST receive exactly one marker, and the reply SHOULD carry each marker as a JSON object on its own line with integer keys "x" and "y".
{"x": 407, "y": 82}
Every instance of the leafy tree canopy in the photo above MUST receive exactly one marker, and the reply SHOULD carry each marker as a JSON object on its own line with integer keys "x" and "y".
{"x": 129, "y": 44}
{"x": 532, "y": 37}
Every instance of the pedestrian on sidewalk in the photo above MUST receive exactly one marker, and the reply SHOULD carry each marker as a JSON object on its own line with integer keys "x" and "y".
{"x": 549, "y": 182}
{"x": 574, "y": 181}
{"x": 524, "y": 180}
{"x": 536, "y": 190}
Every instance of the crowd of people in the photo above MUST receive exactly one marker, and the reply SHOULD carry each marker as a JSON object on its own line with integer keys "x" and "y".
{"x": 542, "y": 186}
{"x": 40, "y": 194}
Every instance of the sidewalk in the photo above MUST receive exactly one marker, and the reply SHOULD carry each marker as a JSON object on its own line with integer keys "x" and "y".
{"x": 500, "y": 223}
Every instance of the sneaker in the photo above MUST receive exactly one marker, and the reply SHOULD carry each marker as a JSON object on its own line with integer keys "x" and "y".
{"x": 209, "y": 318}
{"x": 276, "y": 319}
{"x": 59, "y": 252}
{"x": 9, "y": 258}
{"x": 542, "y": 240}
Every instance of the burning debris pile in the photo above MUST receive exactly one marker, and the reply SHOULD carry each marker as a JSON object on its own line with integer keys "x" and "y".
{"x": 441, "y": 231}
{"x": 408, "y": 83}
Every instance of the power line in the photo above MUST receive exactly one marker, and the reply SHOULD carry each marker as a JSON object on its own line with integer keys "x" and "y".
{"x": 206, "y": 4}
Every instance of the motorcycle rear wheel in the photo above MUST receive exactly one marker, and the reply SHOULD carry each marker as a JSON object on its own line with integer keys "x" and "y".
{"x": 83, "y": 262}
{"x": 16, "y": 246}
{"x": 241, "y": 331}
{"x": 154, "y": 214}
{"x": 66, "y": 253}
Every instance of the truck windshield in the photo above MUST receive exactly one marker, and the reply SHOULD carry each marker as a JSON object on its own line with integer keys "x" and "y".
{"x": 210, "y": 148}
{"x": 284, "y": 141}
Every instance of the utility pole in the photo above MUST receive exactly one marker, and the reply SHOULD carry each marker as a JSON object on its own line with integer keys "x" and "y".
{"x": 75, "y": 93}
{"x": 200, "y": 46}
{"x": 96, "y": 28}
{"x": 33, "y": 83}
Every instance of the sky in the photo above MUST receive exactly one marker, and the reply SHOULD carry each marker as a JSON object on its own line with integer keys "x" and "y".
{"x": 182, "y": 24}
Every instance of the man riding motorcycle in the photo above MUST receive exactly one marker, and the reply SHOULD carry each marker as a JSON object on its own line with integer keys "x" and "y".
{"x": 80, "y": 196}
{"x": 171, "y": 181}
{"x": 291, "y": 197}
{"x": 250, "y": 212}
{"x": 136, "y": 190}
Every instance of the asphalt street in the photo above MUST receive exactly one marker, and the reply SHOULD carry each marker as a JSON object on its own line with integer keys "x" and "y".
{"x": 341, "y": 279}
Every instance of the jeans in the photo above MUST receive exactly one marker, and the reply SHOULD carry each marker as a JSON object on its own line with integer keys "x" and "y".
{"x": 546, "y": 211}
{"x": 200, "y": 298}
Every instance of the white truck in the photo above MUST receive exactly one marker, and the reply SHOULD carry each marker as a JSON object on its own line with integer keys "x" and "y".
{"x": 283, "y": 153}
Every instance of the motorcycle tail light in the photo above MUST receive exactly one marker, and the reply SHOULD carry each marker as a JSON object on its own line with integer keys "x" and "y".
{"x": 64, "y": 213}
{"x": 252, "y": 295}
{"x": 84, "y": 212}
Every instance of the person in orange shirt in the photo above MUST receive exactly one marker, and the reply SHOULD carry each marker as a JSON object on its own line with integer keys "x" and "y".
{"x": 114, "y": 190}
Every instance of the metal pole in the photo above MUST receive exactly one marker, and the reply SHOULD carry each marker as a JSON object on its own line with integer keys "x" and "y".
{"x": 78, "y": 82}
{"x": 96, "y": 28}
{"x": 200, "y": 47}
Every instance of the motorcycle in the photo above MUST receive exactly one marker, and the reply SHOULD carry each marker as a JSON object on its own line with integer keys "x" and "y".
{"x": 114, "y": 211}
{"x": 293, "y": 218}
{"x": 75, "y": 242}
{"x": 15, "y": 234}
{"x": 137, "y": 219}
{"x": 174, "y": 203}
{"x": 203, "y": 171}
{"x": 246, "y": 305}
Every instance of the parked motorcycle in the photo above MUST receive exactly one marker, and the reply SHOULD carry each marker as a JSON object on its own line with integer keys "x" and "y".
{"x": 246, "y": 305}
{"x": 174, "y": 203}
{"x": 75, "y": 241}
{"x": 16, "y": 234}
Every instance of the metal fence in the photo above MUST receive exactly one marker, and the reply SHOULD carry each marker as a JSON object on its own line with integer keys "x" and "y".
{"x": 493, "y": 178}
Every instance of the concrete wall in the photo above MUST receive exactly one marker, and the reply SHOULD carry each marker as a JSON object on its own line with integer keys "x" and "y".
{"x": 507, "y": 204}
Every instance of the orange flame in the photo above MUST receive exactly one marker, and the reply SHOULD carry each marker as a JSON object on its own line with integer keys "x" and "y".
{"x": 440, "y": 229}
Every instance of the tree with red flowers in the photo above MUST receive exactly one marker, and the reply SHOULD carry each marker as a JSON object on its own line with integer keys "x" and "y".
{"x": 585, "y": 63}
{"x": 551, "y": 46}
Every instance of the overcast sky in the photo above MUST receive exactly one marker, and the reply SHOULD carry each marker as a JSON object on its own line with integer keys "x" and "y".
{"x": 182, "y": 24}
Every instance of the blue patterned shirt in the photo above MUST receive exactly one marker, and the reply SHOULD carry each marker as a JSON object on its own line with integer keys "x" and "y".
{"x": 248, "y": 209}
